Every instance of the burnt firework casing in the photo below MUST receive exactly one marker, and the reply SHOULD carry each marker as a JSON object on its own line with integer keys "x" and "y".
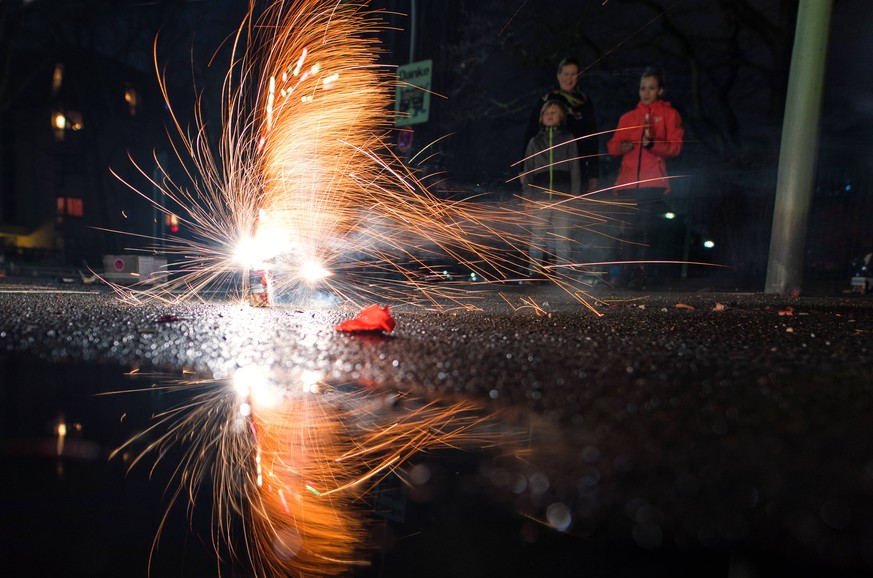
{"x": 260, "y": 288}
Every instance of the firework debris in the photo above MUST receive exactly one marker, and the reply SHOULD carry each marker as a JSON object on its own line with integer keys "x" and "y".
{"x": 370, "y": 319}
{"x": 260, "y": 288}
{"x": 684, "y": 306}
{"x": 787, "y": 311}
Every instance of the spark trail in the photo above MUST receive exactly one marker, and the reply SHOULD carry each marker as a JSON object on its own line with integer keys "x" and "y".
{"x": 292, "y": 457}
{"x": 302, "y": 180}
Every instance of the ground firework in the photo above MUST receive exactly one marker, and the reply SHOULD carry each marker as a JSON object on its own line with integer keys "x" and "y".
{"x": 302, "y": 180}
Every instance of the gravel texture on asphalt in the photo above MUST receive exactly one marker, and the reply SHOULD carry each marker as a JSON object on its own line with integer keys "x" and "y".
{"x": 695, "y": 422}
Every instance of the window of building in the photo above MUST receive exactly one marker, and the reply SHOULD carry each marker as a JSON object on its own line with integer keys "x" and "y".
{"x": 70, "y": 207}
{"x": 62, "y": 121}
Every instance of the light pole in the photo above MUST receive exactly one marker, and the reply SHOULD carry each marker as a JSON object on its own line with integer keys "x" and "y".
{"x": 798, "y": 149}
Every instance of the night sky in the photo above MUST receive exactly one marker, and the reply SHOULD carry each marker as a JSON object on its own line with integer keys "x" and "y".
{"x": 493, "y": 59}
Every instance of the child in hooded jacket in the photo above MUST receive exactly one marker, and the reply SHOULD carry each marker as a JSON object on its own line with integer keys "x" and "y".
{"x": 551, "y": 173}
{"x": 645, "y": 138}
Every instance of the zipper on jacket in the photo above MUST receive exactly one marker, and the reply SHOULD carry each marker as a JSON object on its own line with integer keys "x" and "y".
{"x": 640, "y": 158}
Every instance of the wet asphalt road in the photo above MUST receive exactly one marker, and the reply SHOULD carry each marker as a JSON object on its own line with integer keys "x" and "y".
{"x": 680, "y": 433}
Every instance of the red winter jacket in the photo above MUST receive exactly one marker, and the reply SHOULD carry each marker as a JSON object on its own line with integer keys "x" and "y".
{"x": 641, "y": 163}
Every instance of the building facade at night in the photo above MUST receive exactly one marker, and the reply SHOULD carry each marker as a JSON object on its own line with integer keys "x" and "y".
{"x": 71, "y": 122}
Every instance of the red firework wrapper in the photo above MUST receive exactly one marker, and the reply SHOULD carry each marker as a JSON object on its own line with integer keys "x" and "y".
{"x": 372, "y": 318}
{"x": 259, "y": 288}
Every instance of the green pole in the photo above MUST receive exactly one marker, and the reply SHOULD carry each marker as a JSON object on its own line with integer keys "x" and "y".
{"x": 797, "y": 157}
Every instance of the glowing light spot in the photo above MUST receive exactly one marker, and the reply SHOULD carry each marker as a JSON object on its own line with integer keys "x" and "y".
{"x": 256, "y": 252}
{"x": 313, "y": 490}
{"x": 329, "y": 80}
{"x": 313, "y": 271}
{"x": 309, "y": 381}
{"x": 300, "y": 62}
{"x": 245, "y": 409}
{"x": 252, "y": 385}
{"x": 241, "y": 380}
{"x": 559, "y": 516}
{"x": 271, "y": 95}
{"x": 62, "y": 435}
{"x": 709, "y": 244}
{"x": 670, "y": 215}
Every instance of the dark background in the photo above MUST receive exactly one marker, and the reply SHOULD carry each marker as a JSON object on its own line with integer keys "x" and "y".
{"x": 726, "y": 63}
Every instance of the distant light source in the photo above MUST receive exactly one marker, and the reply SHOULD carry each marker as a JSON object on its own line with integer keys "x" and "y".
{"x": 670, "y": 215}
{"x": 709, "y": 244}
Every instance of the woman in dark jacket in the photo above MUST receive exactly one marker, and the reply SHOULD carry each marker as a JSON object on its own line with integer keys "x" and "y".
{"x": 581, "y": 119}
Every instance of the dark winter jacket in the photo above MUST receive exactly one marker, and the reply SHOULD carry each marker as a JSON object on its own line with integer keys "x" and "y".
{"x": 581, "y": 121}
{"x": 647, "y": 163}
{"x": 550, "y": 163}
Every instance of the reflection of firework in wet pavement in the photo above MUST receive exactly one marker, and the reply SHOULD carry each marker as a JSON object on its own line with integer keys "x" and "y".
{"x": 293, "y": 458}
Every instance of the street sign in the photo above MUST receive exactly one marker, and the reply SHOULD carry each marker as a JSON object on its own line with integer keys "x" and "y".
{"x": 412, "y": 95}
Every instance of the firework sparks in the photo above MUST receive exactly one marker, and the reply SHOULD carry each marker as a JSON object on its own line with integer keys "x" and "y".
{"x": 302, "y": 182}
{"x": 292, "y": 456}
{"x": 301, "y": 190}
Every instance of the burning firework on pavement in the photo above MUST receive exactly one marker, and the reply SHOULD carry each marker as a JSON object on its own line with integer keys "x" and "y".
{"x": 302, "y": 182}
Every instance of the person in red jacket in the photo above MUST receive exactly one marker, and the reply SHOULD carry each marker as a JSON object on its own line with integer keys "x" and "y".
{"x": 645, "y": 138}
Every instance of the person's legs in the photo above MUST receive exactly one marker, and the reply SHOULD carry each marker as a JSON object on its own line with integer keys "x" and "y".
{"x": 642, "y": 235}
{"x": 538, "y": 226}
{"x": 562, "y": 223}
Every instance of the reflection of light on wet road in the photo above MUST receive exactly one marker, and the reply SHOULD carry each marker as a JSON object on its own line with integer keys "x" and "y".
{"x": 61, "y": 430}
{"x": 294, "y": 457}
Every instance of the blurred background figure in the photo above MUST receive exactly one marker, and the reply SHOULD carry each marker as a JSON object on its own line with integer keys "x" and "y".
{"x": 550, "y": 174}
{"x": 581, "y": 119}
{"x": 646, "y": 136}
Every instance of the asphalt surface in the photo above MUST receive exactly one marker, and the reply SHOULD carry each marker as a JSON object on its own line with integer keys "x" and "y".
{"x": 672, "y": 433}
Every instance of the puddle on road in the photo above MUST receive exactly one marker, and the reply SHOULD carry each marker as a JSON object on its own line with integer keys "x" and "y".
{"x": 325, "y": 478}
{"x": 340, "y": 478}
